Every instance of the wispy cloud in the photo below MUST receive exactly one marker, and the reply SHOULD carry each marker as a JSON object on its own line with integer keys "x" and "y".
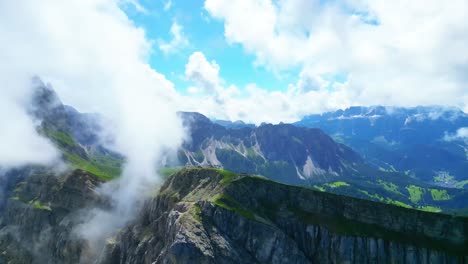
{"x": 178, "y": 41}
{"x": 252, "y": 103}
{"x": 136, "y": 5}
{"x": 168, "y": 5}
{"x": 461, "y": 134}
{"x": 97, "y": 60}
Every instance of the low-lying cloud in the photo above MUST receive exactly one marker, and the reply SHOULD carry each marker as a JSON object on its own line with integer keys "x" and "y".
{"x": 96, "y": 59}
{"x": 461, "y": 134}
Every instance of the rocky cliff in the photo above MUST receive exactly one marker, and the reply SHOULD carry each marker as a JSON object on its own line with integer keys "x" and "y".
{"x": 282, "y": 152}
{"x": 308, "y": 157}
{"x": 40, "y": 213}
{"x": 214, "y": 216}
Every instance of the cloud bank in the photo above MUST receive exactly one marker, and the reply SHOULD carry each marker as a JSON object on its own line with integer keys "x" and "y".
{"x": 97, "y": 60}
{"x": 347, "y": 52}
{"x": 352, "y": 52}
{"x": 19, "y": 141}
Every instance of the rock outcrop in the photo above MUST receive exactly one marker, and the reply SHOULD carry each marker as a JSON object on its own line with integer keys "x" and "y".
{"x": 283, "y": 152}
{"x": 36, "y": 225}
{"x": 213, "y": 216}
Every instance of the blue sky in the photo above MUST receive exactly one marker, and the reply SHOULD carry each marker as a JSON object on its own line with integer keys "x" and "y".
{"x": 204, "y": 34}
{"x": 297, "y": 57}
{"x": 254, "y": 60}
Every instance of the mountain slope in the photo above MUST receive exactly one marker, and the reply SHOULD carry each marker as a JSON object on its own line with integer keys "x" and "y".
{"x": 40, "y": 213}
{"x": 418, "y": 141}
{"x": 307, "y": 157}
{"x": 214, "y": 216}
{"x": 75, "y": 134}
{"x": 281, "y": 152}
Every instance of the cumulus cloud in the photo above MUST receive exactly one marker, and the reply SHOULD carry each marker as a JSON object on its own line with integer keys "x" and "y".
{"x": 203, "y": 72}
{"x": 392, "y": 52}
{"x": 212, "y": 96}
{"x": 97, "y": 60}
{"x": 461, "y": 134}
{"x": 308, "y": 81}
{"x": 178, "y": 41}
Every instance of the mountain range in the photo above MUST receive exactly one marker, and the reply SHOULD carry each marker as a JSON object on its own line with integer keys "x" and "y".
{"x": 419, "y": 141}
{"x": 296, "y": 154}
{"x": 360, "y": 185}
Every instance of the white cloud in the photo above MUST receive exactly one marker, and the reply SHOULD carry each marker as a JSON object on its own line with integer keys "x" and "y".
{"x": 213, "y": 97}
{"x": 203, "y": 72}
{"x": 19, "y": 141}
{"x": 168, "y": 5}
{"x": 308, "y": 81}
{"x": 393, "y": 52}
{"x": 205, "y": 75}
{"x": 136, "y": 5}
{"x": 96, "y": 59}
{"x": 461, "y": 134}
{"x": 178, "y": 42}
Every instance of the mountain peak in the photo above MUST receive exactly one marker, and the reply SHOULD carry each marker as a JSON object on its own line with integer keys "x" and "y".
{"x": 44, "y": 99}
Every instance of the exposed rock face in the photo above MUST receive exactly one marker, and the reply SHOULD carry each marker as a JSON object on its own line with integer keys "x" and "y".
{"x": 280, "y": 152}
{"x": 214, "y": 216}
{"x": 210, "y": 216}
{"x": 40, "y": 214}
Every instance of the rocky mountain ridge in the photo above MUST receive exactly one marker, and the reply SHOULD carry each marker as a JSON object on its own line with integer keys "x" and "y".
{"x": 40, "y": 214}
{"x": 214, "y": 216}
{"x": 281, "y": 152}
{"x": 285, "y": 153}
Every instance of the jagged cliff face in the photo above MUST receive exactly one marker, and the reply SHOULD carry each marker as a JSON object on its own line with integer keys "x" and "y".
{"x": 212, "y": 216}
{"x": 308, "y": 157}
{"x": 40, "y": 213}
{"x": 76, "y": 135}
{"x": 216, "y": 216}
{"x": 281, "y": 152}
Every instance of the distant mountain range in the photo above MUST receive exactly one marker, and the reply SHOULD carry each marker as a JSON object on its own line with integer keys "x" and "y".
{"x": 291, "y": 154}
{"x": 284, "y": 152}
{"x": 418, "y": 141}
{"x": 228, "y": 214}
{"x": 308, "y": 157}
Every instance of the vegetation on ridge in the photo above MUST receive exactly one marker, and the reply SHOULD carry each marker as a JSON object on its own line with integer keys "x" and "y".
{"x": 268, "y": 202}
{"x": 103, "y": 166}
